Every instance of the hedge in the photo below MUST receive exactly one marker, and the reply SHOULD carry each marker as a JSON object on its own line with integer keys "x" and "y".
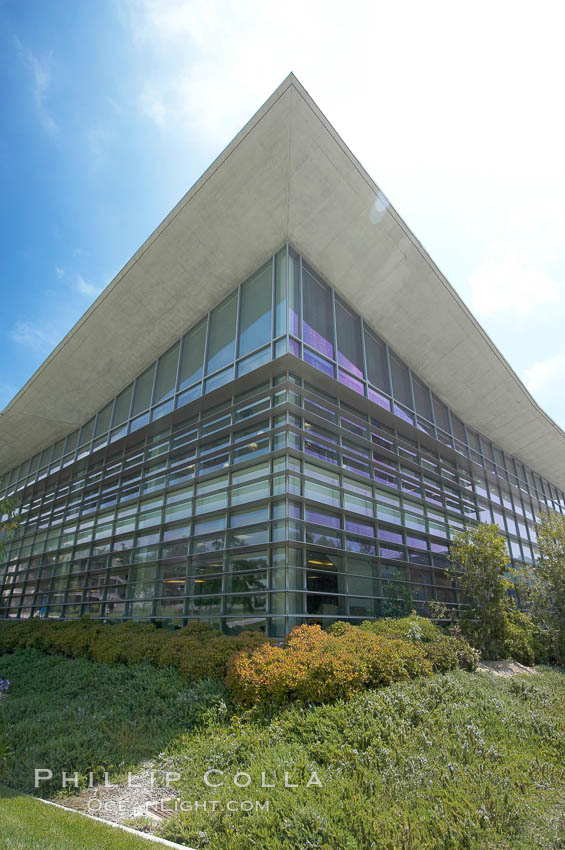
{"x": 312, "y": 665}
{"x": 196, "y": 651}
{"x": 315, "y": 666}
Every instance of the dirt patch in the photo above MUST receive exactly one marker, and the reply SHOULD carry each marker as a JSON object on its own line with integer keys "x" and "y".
{"x": 504, "y": 668}
{"x": 145, "y": 796}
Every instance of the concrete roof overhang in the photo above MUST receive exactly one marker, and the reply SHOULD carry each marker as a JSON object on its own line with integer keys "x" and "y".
{"x": 286, "y": 176}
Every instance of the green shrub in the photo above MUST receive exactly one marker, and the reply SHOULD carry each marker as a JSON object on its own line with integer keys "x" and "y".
{"x": 196, "y": 652}
{"x": 414, "y": 628}
{"x": 396, "y": 660}
{"x": 525, "y": 641}
{"x": 516, "y": 636}
{"x": 467, "y": 656}
{"x": 544, "y": 643}
{"x": 442, "y": 654}
{"x": 445, "y": 652}
{"x": 517, "y": 642}
{"x": 314, "y": 666}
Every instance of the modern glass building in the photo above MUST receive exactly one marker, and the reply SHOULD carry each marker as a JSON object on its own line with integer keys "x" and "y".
{"x": 278, "y": 412}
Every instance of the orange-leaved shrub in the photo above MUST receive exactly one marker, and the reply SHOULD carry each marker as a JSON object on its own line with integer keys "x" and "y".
{"x": 315, "y": 666}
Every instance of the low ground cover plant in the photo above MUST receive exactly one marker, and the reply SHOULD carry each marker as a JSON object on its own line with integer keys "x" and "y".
{"x": 456, "y": 761}
{"x": 4, "y": 746}
{"x": 78, "y": 715}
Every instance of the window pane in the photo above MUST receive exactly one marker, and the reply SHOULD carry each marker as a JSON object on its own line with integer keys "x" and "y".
{"x": 422, "y": 398}
{"x": 70, "y": 447}
{"x": 192, "y": 355}
{"x": 222, "y": 335}
{"x": 293, "y": 293}
{"x": 255, "y": 316}
{"x": 143, "y": 388}
{"x": 103, "y": 421}
{"x": 459, "y": 432}
{"x": 122, "y": 406}
{"x": 280, "y": 292}
{"x": 57, "y": 453}
{"x": 376, "y": 362}
{"x": 400, "y": 381}
{"x": 166, "y": 374}
{"x": 317, "y": 323}
{"x": 349, "y": 340}
{"x": 86, "y": 433}
{"x": 321, "y": 493}
{"x": 441, "y": 414}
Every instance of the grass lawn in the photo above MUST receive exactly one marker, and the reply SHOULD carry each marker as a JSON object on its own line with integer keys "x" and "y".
{"x": 461, "y": 761}
{"x": 27, "y": 823}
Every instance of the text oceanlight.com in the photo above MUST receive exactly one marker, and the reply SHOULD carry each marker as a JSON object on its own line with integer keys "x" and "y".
{"x": 172, "y": 805}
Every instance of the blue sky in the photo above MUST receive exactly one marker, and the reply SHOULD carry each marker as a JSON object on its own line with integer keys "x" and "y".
{"x": 112, "y": 108}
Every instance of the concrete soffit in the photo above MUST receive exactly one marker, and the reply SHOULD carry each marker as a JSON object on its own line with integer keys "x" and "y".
{"x": 286, "y": 176}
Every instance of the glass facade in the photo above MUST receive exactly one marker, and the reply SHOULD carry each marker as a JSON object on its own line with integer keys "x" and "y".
{"x": 325, "y": 485}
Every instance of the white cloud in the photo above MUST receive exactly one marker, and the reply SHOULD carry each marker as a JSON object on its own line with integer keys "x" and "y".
{"x": 545, "y": 376}
{"x": 86, "y": 288}
{"x": 40, "y": 70}
{"x": 60, "y": 272}
{"x": 152, "y": 105}
{"x": 206, "y": 66}
{"x": 39, "y": 337}
{"x": 513, "y": 283}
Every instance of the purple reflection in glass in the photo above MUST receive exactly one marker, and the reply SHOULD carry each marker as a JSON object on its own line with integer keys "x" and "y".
{"x": 319, "y": 451}
{"x": 345, "y": 361}
{"x": 294, "y": 347}
{"x": 355, "y": 466}
{"x": 379, "y": 399}
{"x": 294, "y": 324}
{"x": 390, "y": 536}
{"x": 383, "y": 461}
{"x": 384, "y": 478}
{"x": 351, "y": 382}
{"x": 386, "y": 552}
{"x": 359, "y": 527}
{"x": 417, "y": 542}
{"x": 403, "y": 414}
{"x": 425, "y": 426}
{"x": 318, "y": 362}
{"x": 312, "y": 515}
{"x": 316, "y": 340}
